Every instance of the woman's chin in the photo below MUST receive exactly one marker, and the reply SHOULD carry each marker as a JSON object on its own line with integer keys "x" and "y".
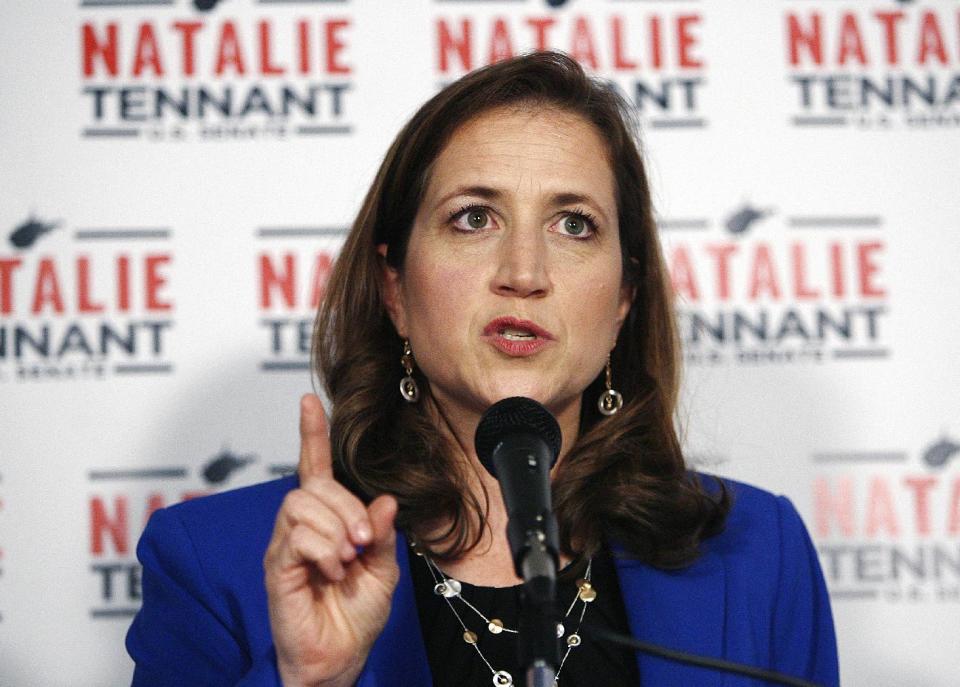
{"x": 549, "y": 398}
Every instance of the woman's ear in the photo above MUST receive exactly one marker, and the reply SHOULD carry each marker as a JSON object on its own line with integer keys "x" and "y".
{"x": 392, "y": 293}
{"x": 628, "y": 291}
{"x": 627, "y": 294}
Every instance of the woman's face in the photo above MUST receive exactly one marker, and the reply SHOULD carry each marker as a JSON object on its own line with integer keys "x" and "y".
{"x": 512, "y": 284}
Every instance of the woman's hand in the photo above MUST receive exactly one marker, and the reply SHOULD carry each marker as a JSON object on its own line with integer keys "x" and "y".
{"x": 328, "y": 603}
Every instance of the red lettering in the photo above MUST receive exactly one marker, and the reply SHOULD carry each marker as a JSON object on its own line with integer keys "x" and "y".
{"x": 540, "y": 26}
{"x": 47, "y": 288}
{"x": 656, "y": 43}
{"x": 582, "y": 49}
{"x": 931, "y": 42}
{"x": 867, "y": 269}
{"x": 102, "y": 524}
{"x": 953, "y": 519}
{"x": 921, "y": 487}
{"x": 620, "y": 60}
{"x": 881, "y": 514}
{"x": 188, "y": 30}
{"x": 85, "y": 304}
{"x": 303, "y": 43}
{"x": 686, "y": 41}
{"x": 271, "y": 279}
{"x": 155, "y": 281}
{"x": 335, "y": 46}
{"x": 228, "y": 51}
{"x": 267, "y": 66}
{"x": 123, "y": 283}
{"x": 800, "y": 287}
{"x": 321, "y": 273}
{"x": 763, "y": 276}
{"x": 147, "y": 54}
{"x": 500, "y": 47}
{"x": 722, "y": 255}
{"x": 7, "y": 266}
{"x": 836, "y": 264}
{"x": 683, "y": 276}
{"x": 833, "y": 507}
{"x": 851, "y": 43}
{"x": 105, "y": 50}
{"x": 447, "y": 44}
{"x": 808, "y": 39}
{"x": 889, "y": 21}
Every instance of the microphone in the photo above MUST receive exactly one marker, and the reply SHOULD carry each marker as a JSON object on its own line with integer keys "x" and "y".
{"x": 518, "y": 441}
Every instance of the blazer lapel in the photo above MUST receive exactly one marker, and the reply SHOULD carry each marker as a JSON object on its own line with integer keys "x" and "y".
{"x": 398, "y": 656}
{"x": 683, "y": 610}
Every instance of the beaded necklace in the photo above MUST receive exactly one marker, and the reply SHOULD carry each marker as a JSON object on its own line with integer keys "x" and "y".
{"x": 450, "y": 588}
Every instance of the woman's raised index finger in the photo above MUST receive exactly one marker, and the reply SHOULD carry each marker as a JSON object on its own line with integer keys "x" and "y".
{"x": 315, "y": 457}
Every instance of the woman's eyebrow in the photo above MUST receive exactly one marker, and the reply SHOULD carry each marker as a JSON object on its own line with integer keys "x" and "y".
{"x": 579, "y": 199}
{"x": 489, "y": 193}
{"x": 485, "y": 192}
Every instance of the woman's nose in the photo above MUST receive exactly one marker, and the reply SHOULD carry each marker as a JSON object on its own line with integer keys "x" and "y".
{"x": 522, "y": 264}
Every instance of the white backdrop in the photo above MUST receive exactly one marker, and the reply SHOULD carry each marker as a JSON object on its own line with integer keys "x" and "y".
{"x": 175, "y": 177}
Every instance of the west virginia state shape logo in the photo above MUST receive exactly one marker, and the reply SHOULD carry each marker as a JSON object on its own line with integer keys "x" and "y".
{"x": 27, "y": 233}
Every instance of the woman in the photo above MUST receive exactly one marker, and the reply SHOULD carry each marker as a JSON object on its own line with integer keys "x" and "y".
{"x": 506, "y": 248}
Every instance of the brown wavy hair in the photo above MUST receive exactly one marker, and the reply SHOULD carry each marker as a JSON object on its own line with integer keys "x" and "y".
{"x": 625, "y": 478}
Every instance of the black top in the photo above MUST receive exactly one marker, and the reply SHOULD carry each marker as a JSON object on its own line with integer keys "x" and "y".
{"x": 454, "y": 663}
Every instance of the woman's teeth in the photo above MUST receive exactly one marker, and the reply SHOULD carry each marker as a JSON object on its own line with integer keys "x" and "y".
{"x": 517, "y": 335}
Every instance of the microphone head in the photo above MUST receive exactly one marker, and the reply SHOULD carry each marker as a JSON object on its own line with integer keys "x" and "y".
{"x": 515, "y": 415}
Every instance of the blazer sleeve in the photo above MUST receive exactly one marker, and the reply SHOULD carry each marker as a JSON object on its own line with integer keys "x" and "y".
{"x": 804, "y": 642}
{"x": 183, "y": 633}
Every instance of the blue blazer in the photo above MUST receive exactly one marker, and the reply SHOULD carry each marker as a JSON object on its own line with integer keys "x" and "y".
{"x": 756, "y": 595}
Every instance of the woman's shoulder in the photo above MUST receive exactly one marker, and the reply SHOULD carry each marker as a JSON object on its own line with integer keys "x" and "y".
{"x": 771, "y": 573}
{"x": 756, "y": 591}
{"x": 228, "y": 527}
{"x": 243, "y": 503}
{"x": 754, "y": 511}
{"x": 763, "y": 532}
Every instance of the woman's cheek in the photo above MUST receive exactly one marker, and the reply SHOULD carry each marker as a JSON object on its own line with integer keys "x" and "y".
{"x": 441, "y": 290}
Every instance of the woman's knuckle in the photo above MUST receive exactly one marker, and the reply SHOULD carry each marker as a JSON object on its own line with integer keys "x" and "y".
{"x": 293, "y": 502}
{"x": 300, "y": 537}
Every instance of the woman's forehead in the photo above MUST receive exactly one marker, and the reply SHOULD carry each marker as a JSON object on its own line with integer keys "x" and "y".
{"x": 524, "y": 150}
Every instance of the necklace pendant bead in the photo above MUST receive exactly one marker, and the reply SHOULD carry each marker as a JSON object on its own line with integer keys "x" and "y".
{"x": 584, "y": 584}
{"x": 449, "y": 587}
{"x": 502, "y": 678}
{"x": 470, "y": 637}
{"x": 573, "y": 640}
{"x": 495, "y": 626}
{"x": 588, "y": 595}
{"x": 560, "y": 630}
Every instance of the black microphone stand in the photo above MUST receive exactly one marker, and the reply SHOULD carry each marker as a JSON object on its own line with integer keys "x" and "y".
{"x": 539, "y": 646}
{"x": 523, "y": 469}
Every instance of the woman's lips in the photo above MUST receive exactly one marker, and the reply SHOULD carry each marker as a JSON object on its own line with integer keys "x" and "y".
{"x": 516, "y": 337}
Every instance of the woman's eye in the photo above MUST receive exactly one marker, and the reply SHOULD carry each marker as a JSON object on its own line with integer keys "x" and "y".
{"x": 576, "y": 225}
{"x": 477, "y": 219}
{"x": 471, "y": 219}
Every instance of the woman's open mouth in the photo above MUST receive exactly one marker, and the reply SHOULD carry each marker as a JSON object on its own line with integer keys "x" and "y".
{"x": 516, "y": 337}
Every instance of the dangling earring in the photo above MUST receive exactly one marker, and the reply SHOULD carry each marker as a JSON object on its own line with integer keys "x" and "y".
{"x": 610, "y": 401}
{"x": 408, "y": 385}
